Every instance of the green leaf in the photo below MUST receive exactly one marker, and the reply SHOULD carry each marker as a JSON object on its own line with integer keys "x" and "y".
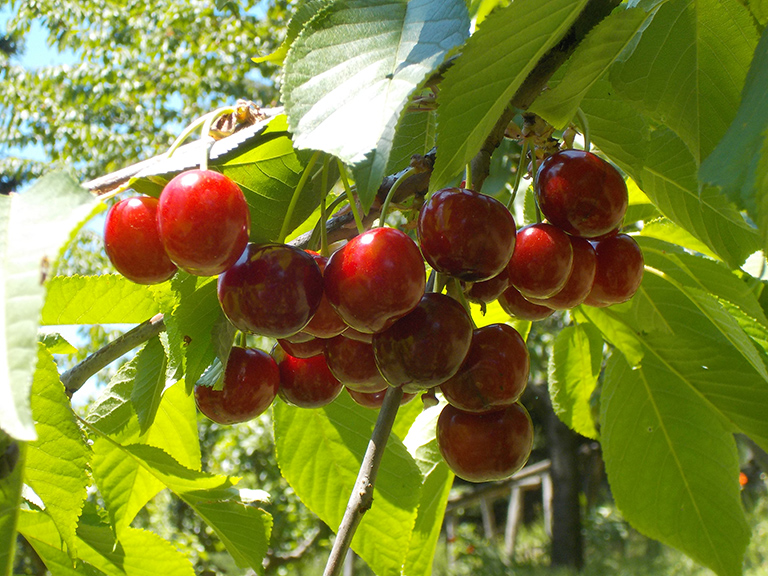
{"x": 362, "y": 55}
{"x": 10, "y": 499}
{"x": 574, "y": 366}
{"x": 438, "y": 480}
{"x": 57, "y": 461}
{"x": 494, "y": 62}
{"x": 593, "y": 56}
{"x": 322, "y": 468}
{"x": 733, "y": 163}
{"x": 672, "y": 464}
{"x": 33, "y": 227}
{"x": 149, "y": 382}
{"x": 688, "y": 69}
{"x": 104, "y": 299}
{"x": 57, "y": 344}
{"x": 415, "y": 135}
{"x": 669, "y": 180}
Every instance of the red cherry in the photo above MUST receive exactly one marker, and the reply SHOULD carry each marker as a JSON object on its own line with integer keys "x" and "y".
{"x": 487, "y": 446}
{"x": 374, "y": 400}
{"x": 619, "y": 271}
{"x": 305, "y": 349}
{"x": 353, "y": 334}
{"x": 490, "y": 290}
{"x": 204, "y": 221}
{"x": 251, "y": 380}
{"x": 542, "y": 260}
{"x": 581, "y": 193}
{"x": 326, "y": 323}
{"x": 132, "y": 241}
{"x": 466, "y": 234}
{"x": 352, "y": 362}
{"x": 374, "y": 279}
{"x": 514, "y": 304}
{"x": 272, "y": 290}
{"x": 494, "y": 373}
{"x": 305, "y": 382}
{"x": 425, "y": 347}
{"x": 579, "y": 283}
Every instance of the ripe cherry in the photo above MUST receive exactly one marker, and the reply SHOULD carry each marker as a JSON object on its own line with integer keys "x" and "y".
{"x": 352, "y": 362}
{"x": 466, "y": 234}
{"x": 619, "y": 271}
{"x": 425, "y": 347}
{"x": 579, "y": 283}
{"x": 305, "y": 382}
{"x": 374, "y": 400}
{"x": 494, "y": 373}
{"x": 487, "y": 446}
{"x": 374, "y": 279}
{"x": 272, "y": 290}
{"x": 251, "y": 380}
{"x": 581, "y": 193}
{"x": 305, "y": 349}
{"x": 542, "y": 260}
{"x": 326, "y": 323}
{"x": 514, "y": 304}
{"x": 132, "y": 241}
{"x": 489, "y": 290}
{"x": 204, "y": 221}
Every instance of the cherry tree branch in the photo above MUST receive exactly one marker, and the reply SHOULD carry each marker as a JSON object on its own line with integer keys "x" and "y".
{"x": 361, "y": 498}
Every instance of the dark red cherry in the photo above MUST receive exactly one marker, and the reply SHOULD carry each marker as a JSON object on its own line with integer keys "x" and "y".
{"x": 272, "y": 290}
{"x": 494, "y": 373}
{"x": 374, "y": 279}
{"x": 425, "y": 347}
{"x": 489, "y": 290}
{"x": 482, "y": 447}
{"x": 326, "y": 323}
{"x": 581, "y": 193}
{"x": 542, "y": 260}
{"x": 579, "y": 283}
{"x": 514, "y": 304}
{"x": 352, "y": 362}
{"x": 619, "y": 271}
{"x": 466, "y": 234}
{"x": 251, "y": 380}
{"x": 204, "y": 221}
{"x": 374, "y": 400}
{"x": 305, "y": 382}
{"x": 306, "y": 349}
{"x": 132, "y": 241}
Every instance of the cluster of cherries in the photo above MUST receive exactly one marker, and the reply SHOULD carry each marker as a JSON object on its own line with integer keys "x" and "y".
{"x": 361, "y": 319}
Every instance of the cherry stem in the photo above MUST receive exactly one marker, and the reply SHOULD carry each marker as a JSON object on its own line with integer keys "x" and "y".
{"x": 324, "y": 210}
{"x": 361, "y": 498}
{"x": 209, "y": 120}
{"x": 463, "y": 299}
{"x": 468, "y": 177}
{"x": 243, "y": 340}
{"x": 535, "y": 169}
{"x": 295, "y": 198}
{"x": 350, "y": 197}
{"x": 196, "y": 123}
{"x": 385, "y": 206}
{"x": 585, "y": 128}
{"x": 518, "y": 174}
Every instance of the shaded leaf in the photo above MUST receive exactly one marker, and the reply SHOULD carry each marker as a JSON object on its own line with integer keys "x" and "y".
{"x": 149, "y": 382}
{"x": 10, "y": 499}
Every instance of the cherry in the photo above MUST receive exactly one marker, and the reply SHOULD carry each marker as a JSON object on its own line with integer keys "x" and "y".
{"x": 619, "y": 271}
{"x": 579, "y": 283}
{"x": 305, "y": 349}
{"x": 514, "y": 304}
{"x": 486, "y": 446}
{"x": 542, "y": 260}
{"x": 305, "y": 382}
{"x": 326, "y": 323}
{"x": 204, "y": 221}
{"x": 581, "y": 193}
{"x": 425, "y": 347}
{"x": 374, "y": 279}
{"x": 466, "y": 234}
{"x": 494, "y": 373}
{"x": 132, "y": 241}
{"x": 489, "y": 290}
{"x": 374, "y": 400}
{"x": 251, "y": 380}
{"x": 352, "y": 362}
{"x": 272, "y": 290}
{"x": 353, "y": 334}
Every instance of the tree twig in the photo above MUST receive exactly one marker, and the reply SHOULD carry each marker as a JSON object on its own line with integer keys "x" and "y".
{"x": 361, "y": 499}
{"x": 74, "y": 378}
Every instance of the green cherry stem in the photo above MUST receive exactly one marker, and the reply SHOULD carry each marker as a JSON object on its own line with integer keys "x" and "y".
{"x": 209, "y": 120}
{"x": 295, "y": 198}
{"x": 468, "y": 177}
{"x": 535, "y": 169}
{"x": 385, "y": 206}
{"x": 350, "y": 197}
{"x": 324, "y": 210}
{"x": 585, "y": 128}
{"x": 518, "y": 174}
